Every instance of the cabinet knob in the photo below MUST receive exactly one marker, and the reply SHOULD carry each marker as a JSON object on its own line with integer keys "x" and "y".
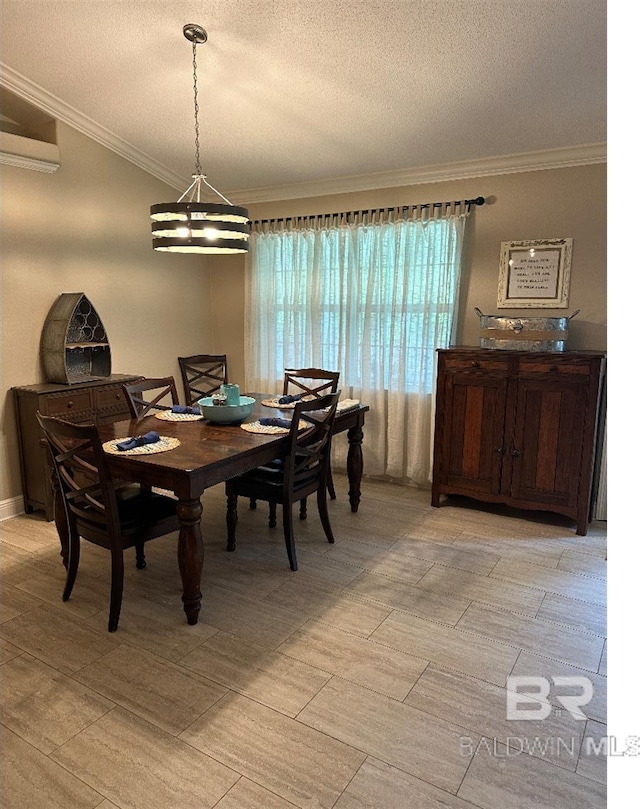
{"x": 69, "y": 404}
{"x": 515, "y": 453}
{"x": 498, "y": 449}
{"x": 118, "y": 396}
{"x": 553, "y": 368}
{"x": 475, "y": 364}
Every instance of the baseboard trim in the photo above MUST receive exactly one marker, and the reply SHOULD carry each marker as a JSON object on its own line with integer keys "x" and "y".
{"x": 11, "y": 507}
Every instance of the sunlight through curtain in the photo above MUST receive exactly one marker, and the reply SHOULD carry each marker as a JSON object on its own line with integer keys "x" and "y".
{"x": 370, "y": 299}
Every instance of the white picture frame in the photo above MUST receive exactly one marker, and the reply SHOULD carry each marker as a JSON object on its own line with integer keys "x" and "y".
{"x": 534, "y": 274}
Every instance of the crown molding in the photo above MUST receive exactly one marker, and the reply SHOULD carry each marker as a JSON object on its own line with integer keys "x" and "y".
{"x": 61, "y": 111}
{"x": 28, "y": 153}
{"x": 20, "y": 162}
{"x": 583, "y": 155}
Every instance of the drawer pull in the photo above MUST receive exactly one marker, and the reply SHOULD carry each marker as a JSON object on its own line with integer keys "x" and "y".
{"x": 553, "y": 368}
{"x": 475, "y": 364}
{"x": 498, "y": 449}
{"x": 515, "y": 453}
{"x": 69, "y": 404}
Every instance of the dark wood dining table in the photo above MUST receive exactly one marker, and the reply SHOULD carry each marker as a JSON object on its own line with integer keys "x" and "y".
{"x": 209, "y": 454}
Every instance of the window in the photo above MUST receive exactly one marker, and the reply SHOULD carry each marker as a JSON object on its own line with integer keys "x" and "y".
{"x": 373, "y": 301}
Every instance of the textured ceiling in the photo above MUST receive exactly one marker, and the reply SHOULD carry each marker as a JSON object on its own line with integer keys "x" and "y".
{"x": 297, "y": 91}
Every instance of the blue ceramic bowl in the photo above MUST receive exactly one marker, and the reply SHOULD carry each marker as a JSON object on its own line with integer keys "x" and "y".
{"x": 226, "y": 414}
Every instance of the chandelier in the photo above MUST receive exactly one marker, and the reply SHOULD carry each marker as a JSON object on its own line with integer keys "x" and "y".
{"x": 191, "y": 225}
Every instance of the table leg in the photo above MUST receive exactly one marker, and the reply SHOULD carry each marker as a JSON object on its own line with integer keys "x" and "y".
{"x": 354, "y": 464}
{"x": 190, "y": 556}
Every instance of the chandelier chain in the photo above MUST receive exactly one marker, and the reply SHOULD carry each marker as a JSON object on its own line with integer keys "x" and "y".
{"x": 196, "y": 109}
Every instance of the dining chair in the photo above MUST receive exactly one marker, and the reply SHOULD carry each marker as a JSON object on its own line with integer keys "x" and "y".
{"x": 302, "y": 380}
{"x": 148, "y": 395}
{"x": 202, "y": 375}
{"x": 113, "y": 514}
{"x": 302, "y": 470}
{"x": 306, "y": 381}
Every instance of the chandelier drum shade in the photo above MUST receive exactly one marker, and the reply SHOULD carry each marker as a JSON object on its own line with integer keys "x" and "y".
{"x": 192, "y": 225}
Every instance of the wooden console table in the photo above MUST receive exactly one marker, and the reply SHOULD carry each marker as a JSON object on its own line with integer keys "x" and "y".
{"x": 100, "y": 401}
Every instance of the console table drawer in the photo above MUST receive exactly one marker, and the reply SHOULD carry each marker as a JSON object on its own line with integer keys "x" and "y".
{"x": 536, "y": 365}
{"x": 68, "y": 405}
{"x": 111, "y": 399}
{"x": 476, "y": 363}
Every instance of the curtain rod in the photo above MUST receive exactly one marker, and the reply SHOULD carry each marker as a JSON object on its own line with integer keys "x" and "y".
{"x": 467, "y": 202}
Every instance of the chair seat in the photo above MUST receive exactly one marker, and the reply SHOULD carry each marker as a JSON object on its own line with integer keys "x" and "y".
{"x": 136, "y": 506}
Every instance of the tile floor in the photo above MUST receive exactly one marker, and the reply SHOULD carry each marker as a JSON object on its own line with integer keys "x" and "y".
{"x": 373, "y": 678}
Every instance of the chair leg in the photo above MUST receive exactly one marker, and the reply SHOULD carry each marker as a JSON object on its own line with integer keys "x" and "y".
{"x": 330, "y": 486}
{"x": 287, "y": 519}
{"x": 252, "y": 503}
{"x": 324, "y": 514}
{"x": 117, "y": 583}
{"x": 140, "y": 560}
{"x": 303, "y": 508}
{"x": 72, "y": 563}
{"x": 232, "y": 519}
{"x": 273, "y": 515}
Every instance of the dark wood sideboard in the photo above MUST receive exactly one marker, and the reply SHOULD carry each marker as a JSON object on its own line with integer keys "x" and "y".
{"x": 518, "y": 428}
{"x": 100, "y": 401}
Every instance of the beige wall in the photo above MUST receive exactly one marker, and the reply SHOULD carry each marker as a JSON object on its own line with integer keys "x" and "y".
{"x": 547, "y": 204}
{"x": 86, "y": 228}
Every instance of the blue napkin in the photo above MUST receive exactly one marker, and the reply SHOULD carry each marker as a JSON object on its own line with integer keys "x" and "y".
{"x": 290, "y": 399}
{"x": 185, "y": 409}
{"x": 272, "y": 422}
{"x": 138, "y": 441}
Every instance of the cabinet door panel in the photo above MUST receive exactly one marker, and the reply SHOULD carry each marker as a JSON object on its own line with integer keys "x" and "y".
{"x": 548, "y": 441}
{"x": 473, "y": 430}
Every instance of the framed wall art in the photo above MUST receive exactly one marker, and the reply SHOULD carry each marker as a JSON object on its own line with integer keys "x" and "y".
{"x": 534, "y": 274}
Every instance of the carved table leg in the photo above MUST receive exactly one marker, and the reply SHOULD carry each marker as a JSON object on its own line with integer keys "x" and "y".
{"x": 190, "y": 556}
{"x": 354, "y": 464}
{"x": 60, "y": 517}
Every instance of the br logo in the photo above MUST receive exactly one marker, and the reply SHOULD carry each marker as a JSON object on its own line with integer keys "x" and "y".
{"x": 528, "y": 697}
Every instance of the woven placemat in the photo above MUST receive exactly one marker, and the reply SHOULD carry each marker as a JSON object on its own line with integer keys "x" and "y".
{"x": 348, "y": 404}
{"x": 165, "y": 443}
{"x": 273, "y": 402}
{"x": 264, "y": 429}
{"x": 167, "y": 415}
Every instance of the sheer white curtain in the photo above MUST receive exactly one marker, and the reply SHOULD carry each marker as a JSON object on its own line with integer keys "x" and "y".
{"x": 372, "y": 300}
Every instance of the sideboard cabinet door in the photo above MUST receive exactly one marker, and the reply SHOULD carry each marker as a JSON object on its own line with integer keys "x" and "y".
{"x": 517, "y": 428}
{"x": 473, "y": 429}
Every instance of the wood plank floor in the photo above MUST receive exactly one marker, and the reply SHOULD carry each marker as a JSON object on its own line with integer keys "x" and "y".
{"x": 375, "y": 677}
